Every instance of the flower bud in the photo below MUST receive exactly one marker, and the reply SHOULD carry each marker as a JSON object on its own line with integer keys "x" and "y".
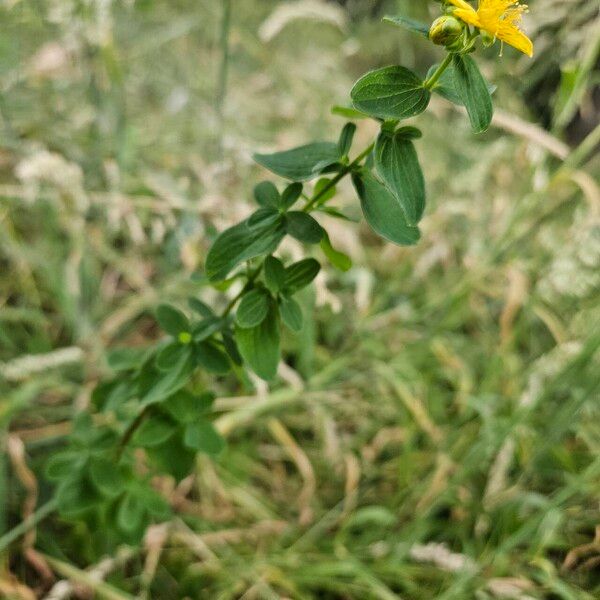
{"x": 446, "y": 30}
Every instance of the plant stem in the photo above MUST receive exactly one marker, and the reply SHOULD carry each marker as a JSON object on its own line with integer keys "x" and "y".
{"x": 250, "y": 280}
{"x": 133, "y": 427}
{"x": 347, "y": 169}
{"x": 29, "y": 523}
{"x": 438, "y": 72}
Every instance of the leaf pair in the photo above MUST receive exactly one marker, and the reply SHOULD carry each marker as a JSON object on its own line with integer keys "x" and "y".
{"x": 257, "y": 331}
{"x": 397, "y": 93}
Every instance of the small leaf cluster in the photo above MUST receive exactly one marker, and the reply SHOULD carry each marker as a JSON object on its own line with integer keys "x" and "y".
{"x": 155, "y": 413}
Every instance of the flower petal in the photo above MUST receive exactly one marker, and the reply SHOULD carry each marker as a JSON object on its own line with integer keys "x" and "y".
{"x": 516, "y": 38}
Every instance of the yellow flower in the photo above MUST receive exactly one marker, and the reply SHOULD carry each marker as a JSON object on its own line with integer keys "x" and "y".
{"x": 500, "y": 18}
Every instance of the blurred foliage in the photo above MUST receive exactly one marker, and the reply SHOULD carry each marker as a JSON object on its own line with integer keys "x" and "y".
{"x": 454, "y": 390}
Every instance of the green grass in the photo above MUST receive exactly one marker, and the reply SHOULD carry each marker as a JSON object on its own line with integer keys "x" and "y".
{"x": 443, "y": 394}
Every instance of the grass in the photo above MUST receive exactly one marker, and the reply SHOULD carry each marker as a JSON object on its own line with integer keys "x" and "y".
{"x": 435, "y": 434}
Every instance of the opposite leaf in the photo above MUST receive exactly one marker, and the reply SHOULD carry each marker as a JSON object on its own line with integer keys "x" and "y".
{"x": 303, "y": 227}
{"x": 410, "y": 24}
{"x": 473, "y": 91}
{"x": 172, "y": 320}
{"x": 259, "y": 346}
{"x": 274, "y": 274}
{"x": 266, "y": 195}
{"x": 383, "y": 212}
{"x": 303, "y": 163}
{"x": 253, "y": 309}
{"x": 300, "y": 274}
{"x": 291, "y": 313}
{"x": 398, "y": 166}
{"x": 390, "y": 93}
{"x": 242, "y": 242}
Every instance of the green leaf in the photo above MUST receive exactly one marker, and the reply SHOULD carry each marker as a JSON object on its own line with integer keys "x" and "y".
{"x": 253, "y": 308}
{"x": 410, "y": 24}
{"x": 76, "y": 496}
{"x": 126, "y": 359}
{"x": 232, "y": 349}
{"x": 173, "y": 457}
{"x": 154, "y": 431}
{"x": 301, "y": 164}
{"x": 408, "y": 133}
{"x": 303, "y": 227}
{"x": 185, "y": 407}
{"x": 130, "y": 513}
{"x": 446, "y": 85}
{"x": 267, "y": 195}
{"x": 172, "y": 320}
{"x": 159, "y": 386}
{"x": 348, "y": 113}
{"x": 155, "y": 504}
{"x": 336, "y": 214}
{"x": 201, "y": 308}
{"x": 473, "y": 92}
{"x": 290, "y": 195}
{"x": 291, "y": 313}
{"x": 263, "y": 217}
{"x": 64, "y": 464}
{"x": 106, "y": 476}
{"x": 211, "y": 358}
{"x": 300, "y": 274}
{"x": 274, "y": 274}
{"x": 346, "y": 137}
{"x": 383, "y": 212}
{"x": 338, "y": 259}
{"x": 390, "y": 93}
{"x": 203, "y": 437}
{"x": 169, "y": 355}
{"x": 203, "y": 330}
{"x": 398, "y": 166}
{"x": 242, "y": 242}
{"x": 259, "y": 346}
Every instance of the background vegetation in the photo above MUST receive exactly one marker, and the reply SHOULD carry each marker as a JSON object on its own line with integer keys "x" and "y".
{"x": 433, "y": 432}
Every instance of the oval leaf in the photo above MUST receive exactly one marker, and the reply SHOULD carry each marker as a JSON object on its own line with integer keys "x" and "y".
{"x": 383, "y": 213}
{"x": 259, "y": 346}
{"x": 291, "y": 313}
{"x": 242, "y": 242}
{"x": 398, "y": 166}
{"x": 390, "y": 93}
{"x": 171, "y": 319}
{"x": 303, "y": 227}
{"x": 203, "y": 437}
{"x": 300, "y": 274}
{"x": 266, "y": 194}
{"x": 301, "y": 164}
{"x": 253, "y": 309}
{"x": 274, "y": 274}
{"x": 211, "y": 358}
{"x": 473, "y": 91}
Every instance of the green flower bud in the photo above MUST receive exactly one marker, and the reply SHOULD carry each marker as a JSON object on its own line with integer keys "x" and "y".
{"x": 446, "y": 31}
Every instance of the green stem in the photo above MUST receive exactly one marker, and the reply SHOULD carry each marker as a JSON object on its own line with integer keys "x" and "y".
{"x": 29, "y": 523}
{"x": 347, "y": 169}
{"x": 438, "y": 72}
{"x": 249, "y": 282}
